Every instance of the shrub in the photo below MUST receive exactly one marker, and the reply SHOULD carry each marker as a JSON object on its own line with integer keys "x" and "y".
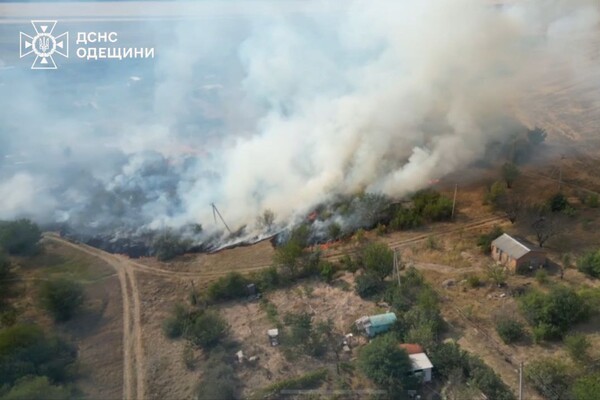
{"x": 587, "y": 387}
{"x": 386, "y": 364}
{"x": 406, "y": 219}
{"x": 550, "y": 377}
{"x": 334, "y": 231}
{"x": 495, "y": 193}
{"x": 175, "y": 325}
{"x": 169, "y": 245}
{"x": 484, "y": 242}
{"x": 541, "y": 276}
{"x": 38, "y": 387}
{"x": 231, "y": 286}
{"x": 219, "y": 381}
{"x": 327, "y": 271}
{"x": 61, "y": 297}
{"x": 577, "y": 345}
{"x": 366, "y": 285}
{"x": 432, "y": 206}
{"x": 473, "y": 281}
{"x": 589, "y": 264}
{"x": 497, "y": 274}
{"x": 592, "y": 200}
{"x": 20, "y": 237}
{"x": 558, "y": 202}
{"x": 510, "y": 173}
{"x": 509, "y": 330}
{"x": 307, "y": 381}
{"x": 378, "y": 260}
{"x": 27, "y": 350}
{"x": 206, "y": 329}
{"x": 553, "y": 313}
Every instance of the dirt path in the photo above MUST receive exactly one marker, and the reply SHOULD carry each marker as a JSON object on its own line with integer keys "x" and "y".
{"x": 133, "y": 351}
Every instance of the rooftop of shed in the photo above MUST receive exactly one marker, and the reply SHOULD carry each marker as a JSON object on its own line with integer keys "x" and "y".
{"x": 514, "y": 247}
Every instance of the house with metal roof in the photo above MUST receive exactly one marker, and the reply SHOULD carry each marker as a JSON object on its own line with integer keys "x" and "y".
{"x": 376, "y": 324}
{"x": 517, "y": 254}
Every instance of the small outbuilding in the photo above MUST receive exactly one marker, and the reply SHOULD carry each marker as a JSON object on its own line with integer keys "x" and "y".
{"x": 421, "y": 366}
{"x": 376, "y": 324}
{"x": 517, "y": 254}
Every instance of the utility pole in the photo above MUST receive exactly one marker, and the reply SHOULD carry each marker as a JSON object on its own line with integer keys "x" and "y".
{"x": 562, "y": 157}
{"x": 396, "y": 266}
{"x": 521, "y": 380}
{"x": 454, "y": 201}
{"x": 215, "y": 213}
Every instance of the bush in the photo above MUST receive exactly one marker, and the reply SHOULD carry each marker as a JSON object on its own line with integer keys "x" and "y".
{"x": 592, "y": 200}
{"x": 20, "y": 237}
{"x": 432, "y": 206}
{"x": 473, "y": 281}
{"x": 510, "y": 173}
{"x": 577, "y": 345}
{"x": 550, "y": 377}
{"x": 327, "y": 271}
{"x": 61, "y": 297}
{"x": 203, "y": 328}
{"x": 367, "y": 286}
{"x": 378, "y": 260}
{"x": 231, "y": 286}
{"x": 484, "y": 242}
{"x": 386, "y": 364}
{"x": 38, "y": 387}
{"x": 553, "y": 313}
{"x": 558, "y": 202}
{"x": 219, "y": 381}
{"x": 206, "y": 329}
{"x": 406, "y": 219}
{"x": 509, "y": 330}
{"x": 587, "y": 387}
{"x": 497, "y": 274}
{"x": 541, "y": 276}
{"x": 589, "y": 264}
{"x": 307, "y": 381}
{"x": 169, "y": 245}
{"x": 495, "y": 193}
{"x": 26, "y": 350}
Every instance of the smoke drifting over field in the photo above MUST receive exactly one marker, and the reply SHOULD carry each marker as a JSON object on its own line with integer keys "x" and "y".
{"x": 278, "y": 111}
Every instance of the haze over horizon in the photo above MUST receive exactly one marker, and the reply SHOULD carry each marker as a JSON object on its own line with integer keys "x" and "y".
{"x": 280, "y": 107}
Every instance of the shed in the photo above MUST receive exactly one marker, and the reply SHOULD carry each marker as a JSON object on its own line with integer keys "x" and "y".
{"x": 421, "y": 366}
{"x": 376, "y": 324}
{"x": 517, "y": 253}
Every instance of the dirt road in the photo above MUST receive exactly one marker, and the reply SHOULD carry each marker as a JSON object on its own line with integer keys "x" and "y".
{"x": 133, "y": 350}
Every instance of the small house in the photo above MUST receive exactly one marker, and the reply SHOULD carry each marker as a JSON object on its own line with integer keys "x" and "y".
{"x": 376, "y": 324}
{"x": 517, "y": 254}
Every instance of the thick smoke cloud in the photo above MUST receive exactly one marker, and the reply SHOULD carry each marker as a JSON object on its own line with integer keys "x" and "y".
{"x": 278, "y": 110}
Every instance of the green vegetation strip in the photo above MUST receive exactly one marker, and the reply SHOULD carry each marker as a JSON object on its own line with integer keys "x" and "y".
{"x": 310, "y": 380}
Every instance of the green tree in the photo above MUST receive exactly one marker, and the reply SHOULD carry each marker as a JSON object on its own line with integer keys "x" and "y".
{"x": 496, "y": 192}
{"x": 510, "y": 173}
{"x": 206, "y": 329}
{"x": 378, "y": 260}
{"x": 553, "y": 313}
{"x": 20, "y": 237}
{"x": 587, "y": 387}
{"x": 26, "y": 350}
{"x": 558, "y": 202}
{"x": 36, "y": 387}
{"x": 5, "y": 279}
{"x": 550, "y": 377}
{"x": 386, "y": 364}
{"x": 577, "y": 344}
{"x": 367, "y": 285}
{"x": 589, "y": 264}
{"x": 219, "y": 381}
{"x": 497, "y": 274}
{"x": 169, "y": 245}
{"x": 61, "y": 297}
{"x": 484, "y": 242}
{"x": 231, "y": 286}
{"x": 536, "y": 136}
{"x": 509, "y": 330}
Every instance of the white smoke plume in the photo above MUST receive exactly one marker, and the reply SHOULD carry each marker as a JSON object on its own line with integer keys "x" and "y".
{"x": 282, "y": 110}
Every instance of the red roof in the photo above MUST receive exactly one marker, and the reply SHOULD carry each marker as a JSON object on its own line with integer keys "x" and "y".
{"x": 412, "y": 348}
